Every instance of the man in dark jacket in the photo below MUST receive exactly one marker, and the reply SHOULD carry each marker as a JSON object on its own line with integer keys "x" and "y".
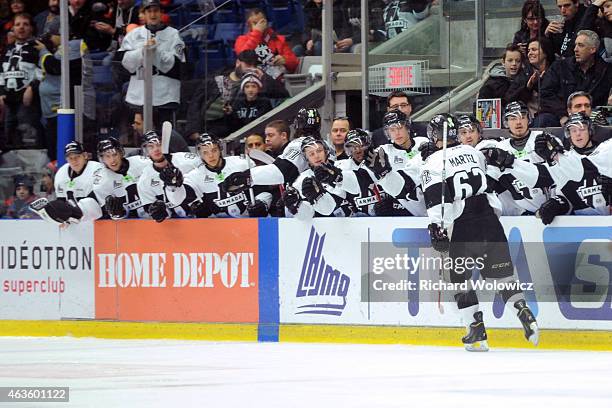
{"x": 586, "y": 71}
{"x": 563, "y": 33}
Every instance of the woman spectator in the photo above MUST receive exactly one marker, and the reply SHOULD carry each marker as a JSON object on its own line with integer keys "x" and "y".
{"x": 525, "y": 86}
{"x": 533, "y": 24}
{"x": 598, "y": 18}
{"x": 313, "y": 41}
{"x": 273, "y": 52}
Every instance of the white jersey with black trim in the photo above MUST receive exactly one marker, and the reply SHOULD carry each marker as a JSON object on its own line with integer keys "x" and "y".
{"x": 574, "y": 176}
{"x": 109, "y": 183}
{"x": 333, "y": 203}
{"x": 287, "y": 166}
{"x": 518, "y": 197}
{"x": 361, "y": 188}
{"x": 151, "y": 188}
{"x": 74, "y": 187}
{"x": 407, "y": 163}
{"x": 466, "y": 172}
{"x": 203, "y": 186}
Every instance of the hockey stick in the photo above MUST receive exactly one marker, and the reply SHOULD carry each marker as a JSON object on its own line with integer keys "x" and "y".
{"x": 251, "y": 165}
{"x": 444, "y": 143}
{"x": 166, "y": 134}
{"x": 261, "y": 156}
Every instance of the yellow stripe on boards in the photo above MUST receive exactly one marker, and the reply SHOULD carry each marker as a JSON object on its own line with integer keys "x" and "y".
{"x": 444, "y": 336}
{"x": 130, "y": 330}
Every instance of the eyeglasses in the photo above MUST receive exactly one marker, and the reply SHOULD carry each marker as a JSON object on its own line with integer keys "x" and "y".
{"x": 399, "y": 106}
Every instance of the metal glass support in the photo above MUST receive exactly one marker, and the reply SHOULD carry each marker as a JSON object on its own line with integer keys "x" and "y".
{"x": 480, "y": 35}
{"x": 65, "y": 64}
{"x": 328, "y": 48}
{"x": 78, "y": 113}
{"x": 365, "y": 92}
{"x": 147, "y": 106}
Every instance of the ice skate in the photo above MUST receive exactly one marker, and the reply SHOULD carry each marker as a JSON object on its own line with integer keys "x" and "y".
{"x": 528, "y": 321}
{"x": 476, "y": 338}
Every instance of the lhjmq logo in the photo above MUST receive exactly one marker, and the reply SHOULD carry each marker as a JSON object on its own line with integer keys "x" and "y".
{"x": 323, "y": 288}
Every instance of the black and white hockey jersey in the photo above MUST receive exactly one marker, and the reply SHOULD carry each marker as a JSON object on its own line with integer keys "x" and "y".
{"x": 361, "y": 189}
{"x": 516, "y": 197}
{"x": 202, "y": 185}
{"x": 332, "y": 203}
{"x": 74, "y": 187}
{"x": 151, "y": 188}
{"x": 466, "y": 177}
{"x": 573, "y": 177}
{"x": 122, "y": 184}
{"x": 19, "y": 68}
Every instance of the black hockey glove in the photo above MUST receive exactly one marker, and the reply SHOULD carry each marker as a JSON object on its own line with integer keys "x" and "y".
{"x": 384, "y": 207}
{"x": 547, "y": 146}
{"x": 171, "y": 176}
{"x": 292, "y": 199}
{"x": 427, "y": 149}
{"x": 257, "y": 209}
{"x": 606, "y": 188}
{"x": 499, "y": 158}
{"x": 236, "y": 182}
{"x": 378, "y": 162}
{"x": 114, "y": 207}
{"x": 58, "y": 211}
{"x": 157, "y": 211}
{"x": 551, "y": 208}
{"x": 312, "y": 189}
{"x": 439, "y": 238}
{"x": 328, "y": 173}
{"x": 199, "y": 209}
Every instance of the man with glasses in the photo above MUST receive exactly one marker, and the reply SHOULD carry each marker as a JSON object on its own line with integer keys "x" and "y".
{"x": 563, "y": 32}
{"x": 398, "y": 100}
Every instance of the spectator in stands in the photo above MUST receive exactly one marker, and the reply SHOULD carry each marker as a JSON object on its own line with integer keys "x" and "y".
{"x": 312, "y": 43}
{"x": 82, "y": 24}
{"x": 602, "y": 25}
{"x": 533, "y": 24}
{"x": 277, "y": 137}
{"x": 563, "y": 32}
{"x": 337, "y": 136}
{"x": 50, "y": 88}
{"x": 586, "y": 71}
{"x": 526, "y": 85}
{"x": 47, "y": 186}
{"x": 398, "y": 100}
{"x": 177, "y": 141}
{"x": 400, "y": 15}
{"x": 48, "y": 20}
{"x": 168, "y": 54}
{"x": 272, "y": 49}
{"x": 18, "y": 206}
{"x": 205, "y": 110}
{"x": 19, "y": 79}
{"x": 248, "y": 105}
{"x": 501, "y": 75}
{"x": 124, "y": 14}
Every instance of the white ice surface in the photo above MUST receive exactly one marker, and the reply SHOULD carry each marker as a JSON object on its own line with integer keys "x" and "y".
{"x": 156, "y": 373}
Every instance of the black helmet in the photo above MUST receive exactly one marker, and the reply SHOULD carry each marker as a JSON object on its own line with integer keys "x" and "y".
{"x": 469, "y": 122}
{"x": 110, "y": 143}
{"x": 435, "y": 128}
{"x": 358, "y": 137}
{"x": 205, "y": 139}
{"x": 151, "y": 137}
{"x": 310, "y": 141}
{"x": 395, "y": 117}
{"x": 308, "y": 122}
{"x": 515, "y": 109}
{"x": 73, "y": 147}
{"x": 579, "y": 120}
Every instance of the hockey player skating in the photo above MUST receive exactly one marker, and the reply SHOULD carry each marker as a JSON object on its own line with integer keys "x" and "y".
{"x": 151, "y": 187}
{"x": 579, "y": 185}
{"x": 307, "y": 197}
{"x": 202, "y": 190}
{"x": 464, "y": 223}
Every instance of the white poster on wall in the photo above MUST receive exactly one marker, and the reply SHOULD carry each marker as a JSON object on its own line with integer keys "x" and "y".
{"x": 328, "y": 273}
{"x": 45, "y": 272}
